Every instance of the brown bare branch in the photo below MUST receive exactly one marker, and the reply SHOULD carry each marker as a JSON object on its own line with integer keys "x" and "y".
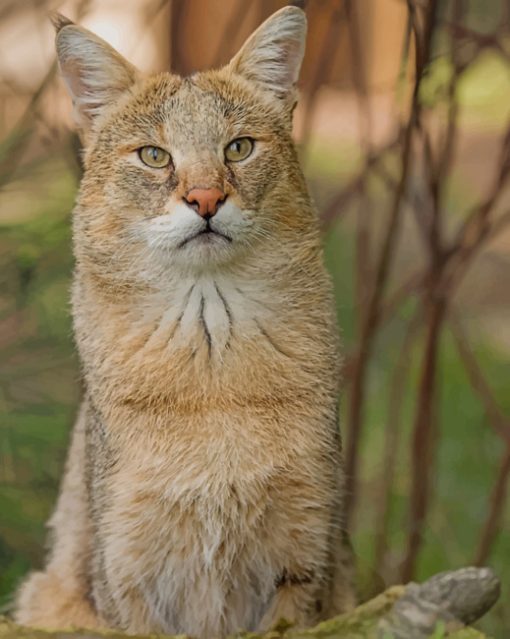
{"x": 367, "y": 337}
{"x": 424, "y": 430}
{"x": 391, "y": 445}
{"x": 498, "y": 421}
{"x": 497, "y": 502}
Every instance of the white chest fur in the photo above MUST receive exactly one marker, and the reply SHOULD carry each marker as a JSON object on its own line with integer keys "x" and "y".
{"x": 210, "y": 311}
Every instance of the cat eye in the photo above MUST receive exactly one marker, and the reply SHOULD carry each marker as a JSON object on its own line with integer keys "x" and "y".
{"x": 154, "y": 157}
{"x": 239, "y": 149}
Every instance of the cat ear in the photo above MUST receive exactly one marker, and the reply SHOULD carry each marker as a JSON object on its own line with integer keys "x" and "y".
{"x": 272, "y": 55}
{"x": 95, "y": 74}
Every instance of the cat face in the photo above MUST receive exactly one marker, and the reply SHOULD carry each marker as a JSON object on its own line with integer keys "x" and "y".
{"x": 191, "y": 171}
{"x": 194, "y": 121}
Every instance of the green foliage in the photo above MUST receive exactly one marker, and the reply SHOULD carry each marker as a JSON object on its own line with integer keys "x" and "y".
{"x": 38, "y": 372}
{"x": 482, "y": 91}
{"x": 439, "y": 632}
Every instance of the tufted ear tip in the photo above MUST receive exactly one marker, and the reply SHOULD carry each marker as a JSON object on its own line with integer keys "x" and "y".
{"x": 59, "y": 21}
{"x": 272, "y": 55}
{"x": 95, "y": 74}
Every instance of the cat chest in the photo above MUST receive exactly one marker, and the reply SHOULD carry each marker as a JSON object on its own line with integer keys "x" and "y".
{"x": 205, "y": 326}
{"x": 198, "y": 488}
{"x": 206, "y": 313}
{"x": 199, "y": 542}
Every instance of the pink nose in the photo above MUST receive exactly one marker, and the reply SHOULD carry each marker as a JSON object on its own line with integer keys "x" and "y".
{"x": 205, "y": 201}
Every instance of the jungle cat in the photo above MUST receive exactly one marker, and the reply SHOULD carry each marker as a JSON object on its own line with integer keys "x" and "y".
{"x": 204, "y": 485}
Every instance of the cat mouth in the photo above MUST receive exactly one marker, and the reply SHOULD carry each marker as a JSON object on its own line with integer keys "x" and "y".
{"x": 206, "y": 234}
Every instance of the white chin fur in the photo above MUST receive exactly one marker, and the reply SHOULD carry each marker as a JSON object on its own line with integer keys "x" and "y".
{"x": 171, "y": 236}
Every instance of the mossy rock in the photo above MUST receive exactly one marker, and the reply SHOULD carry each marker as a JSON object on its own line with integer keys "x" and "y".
{"x": 441, "y": 607}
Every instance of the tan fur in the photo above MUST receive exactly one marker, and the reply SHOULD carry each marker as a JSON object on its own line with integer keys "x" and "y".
{"x": 203, "y": 492}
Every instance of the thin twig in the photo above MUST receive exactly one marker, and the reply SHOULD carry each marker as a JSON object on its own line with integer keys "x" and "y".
{"x": 498, "y": 421}
{"x": 497, "y": 502}
{"x": 363, "y": 217}
{"x": 322, "y": 69}
{"x": 391, "y": 444}
{"x": 342, "y": 199}
{"x": 367, "y": 337}
{"x": 424, "y": 429}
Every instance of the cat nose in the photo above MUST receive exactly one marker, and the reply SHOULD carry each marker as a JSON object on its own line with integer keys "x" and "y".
{"x": 206, "y": 202}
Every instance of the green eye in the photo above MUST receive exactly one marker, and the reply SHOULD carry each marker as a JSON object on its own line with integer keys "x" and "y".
{"x": 154, "y": 157}
{"x": 239, "y": 149}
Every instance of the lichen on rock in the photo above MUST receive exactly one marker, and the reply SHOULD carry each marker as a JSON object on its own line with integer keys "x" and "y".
{"x": 441, "y": 607}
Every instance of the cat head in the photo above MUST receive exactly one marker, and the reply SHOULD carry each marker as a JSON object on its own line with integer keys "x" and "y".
{"x": 196, "y": 171}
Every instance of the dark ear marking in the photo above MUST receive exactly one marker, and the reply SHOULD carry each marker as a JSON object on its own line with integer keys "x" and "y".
{"x": 59, "y": 21}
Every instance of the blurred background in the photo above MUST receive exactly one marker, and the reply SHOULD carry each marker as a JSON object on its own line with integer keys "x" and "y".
{"x": 403, "y": 130}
